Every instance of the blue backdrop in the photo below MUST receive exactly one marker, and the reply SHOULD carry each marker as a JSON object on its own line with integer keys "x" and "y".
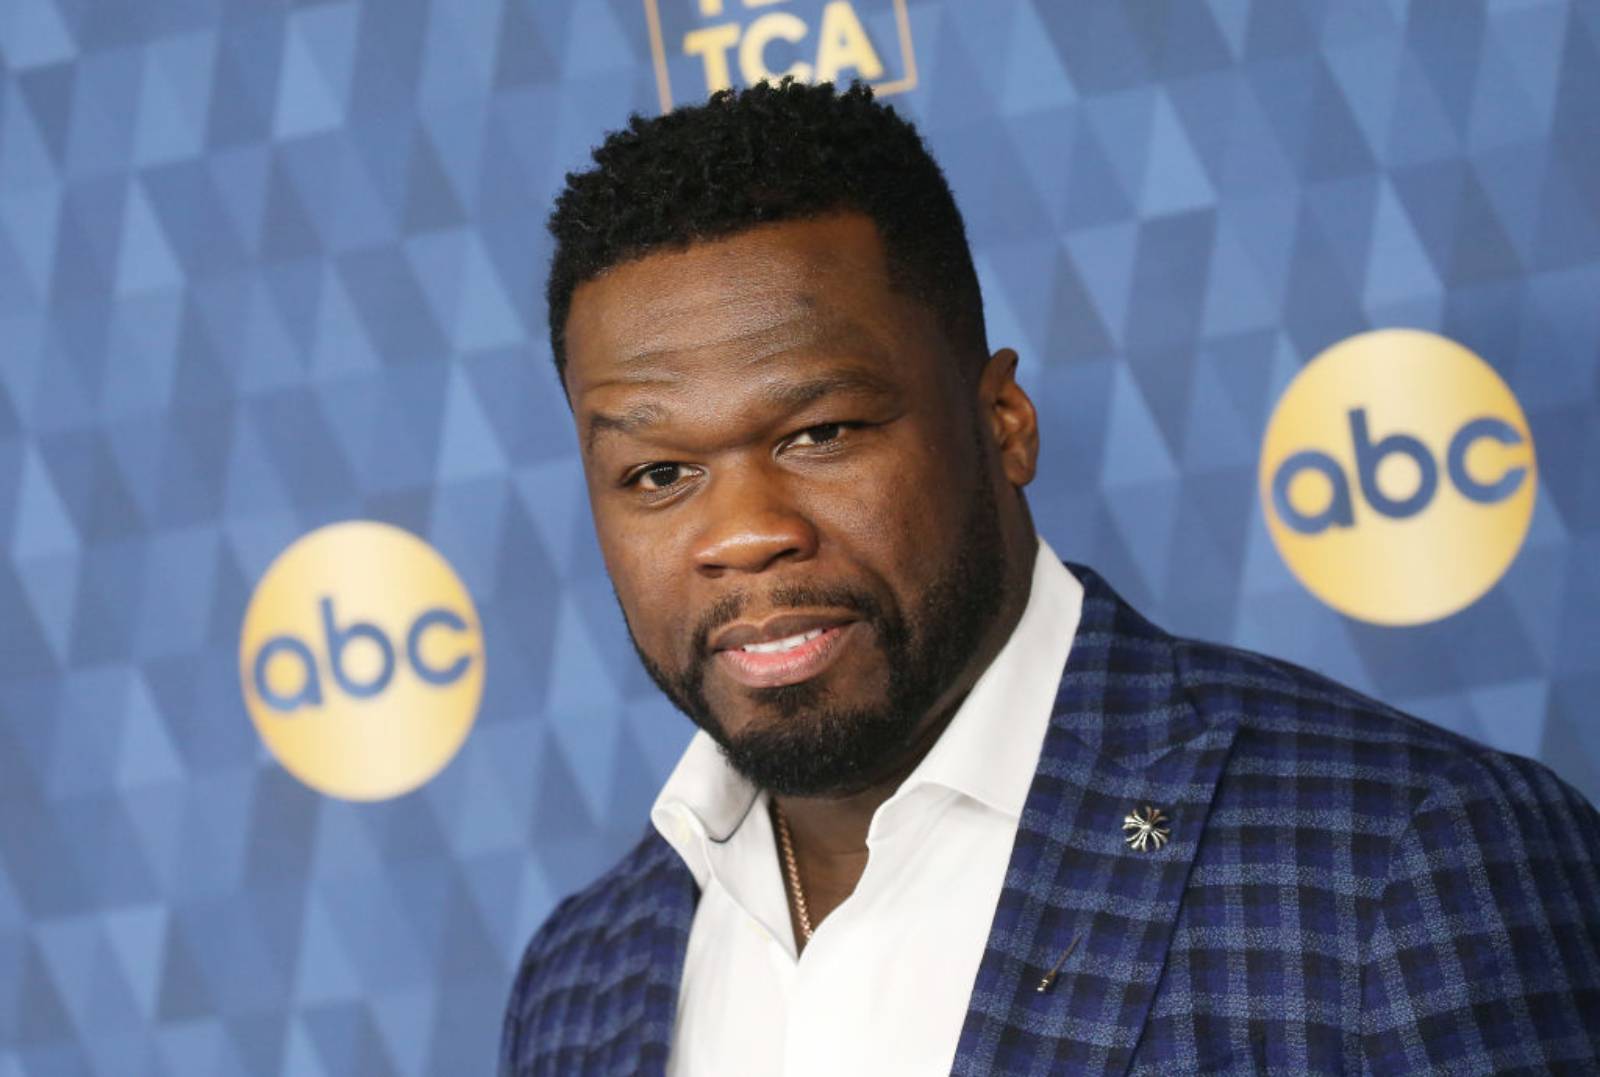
{"x": 264, "y": 267}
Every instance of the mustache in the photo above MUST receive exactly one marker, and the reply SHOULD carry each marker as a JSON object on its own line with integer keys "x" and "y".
{"x": 730, "y": 607}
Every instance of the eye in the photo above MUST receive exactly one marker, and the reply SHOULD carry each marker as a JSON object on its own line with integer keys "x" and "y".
{"x": 821, "y": 434}
{"x": 658, "y": 477}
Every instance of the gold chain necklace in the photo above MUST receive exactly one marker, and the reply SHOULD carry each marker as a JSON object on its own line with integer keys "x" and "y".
{"x": 793, "y": 871}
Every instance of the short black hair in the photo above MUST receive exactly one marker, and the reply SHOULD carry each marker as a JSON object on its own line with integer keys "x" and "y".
{"x": 771, "y": 152}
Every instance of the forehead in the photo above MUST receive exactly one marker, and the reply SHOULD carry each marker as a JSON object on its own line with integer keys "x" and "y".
{"x": 819, "y": 285}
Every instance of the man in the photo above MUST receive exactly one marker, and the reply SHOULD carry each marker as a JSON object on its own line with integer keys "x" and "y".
{"x": 953, "y": 806}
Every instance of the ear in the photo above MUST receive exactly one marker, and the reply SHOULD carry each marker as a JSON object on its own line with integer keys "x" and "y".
{"x": 1009, "y": 418}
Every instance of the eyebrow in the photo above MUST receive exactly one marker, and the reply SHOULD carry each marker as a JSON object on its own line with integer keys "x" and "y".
{"x": 634, "y": 418}
{"x": 783, "y": 396}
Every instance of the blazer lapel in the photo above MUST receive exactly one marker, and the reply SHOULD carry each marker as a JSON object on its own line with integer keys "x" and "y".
{"x": 1123, "y": 738}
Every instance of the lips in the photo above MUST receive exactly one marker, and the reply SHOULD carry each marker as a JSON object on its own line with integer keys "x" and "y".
{"x": 784, "y": 650}
{"x": 783, "y": 627}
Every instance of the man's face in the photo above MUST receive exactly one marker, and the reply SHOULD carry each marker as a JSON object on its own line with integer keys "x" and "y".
{"x": 795, "y": 489}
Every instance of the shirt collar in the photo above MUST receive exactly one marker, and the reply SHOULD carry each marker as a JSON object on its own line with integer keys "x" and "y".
{"x": 988, "y": 752}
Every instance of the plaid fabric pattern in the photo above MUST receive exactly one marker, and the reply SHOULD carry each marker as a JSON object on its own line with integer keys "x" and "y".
{"x": 1346, "y": 889}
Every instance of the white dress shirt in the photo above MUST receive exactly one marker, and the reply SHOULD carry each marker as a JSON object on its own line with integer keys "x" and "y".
{"x": 883, "y": 985}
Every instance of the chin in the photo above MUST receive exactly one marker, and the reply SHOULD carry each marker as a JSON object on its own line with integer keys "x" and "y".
{"x": 818, "y": 751}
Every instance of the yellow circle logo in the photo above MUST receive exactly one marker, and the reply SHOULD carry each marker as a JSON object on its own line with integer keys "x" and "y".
{"x": 362, "y": 660}
{"x": 1398, "y": 477}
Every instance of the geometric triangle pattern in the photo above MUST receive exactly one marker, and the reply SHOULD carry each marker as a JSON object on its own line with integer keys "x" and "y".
{"x": 265, "y": 268}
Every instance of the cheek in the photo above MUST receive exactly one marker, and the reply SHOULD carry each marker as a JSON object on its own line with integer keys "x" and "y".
{"x": 646, "y": 587}
{"x": 901, "y": 515}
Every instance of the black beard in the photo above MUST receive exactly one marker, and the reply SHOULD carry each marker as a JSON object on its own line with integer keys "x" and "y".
{"x": 818, "y": 746}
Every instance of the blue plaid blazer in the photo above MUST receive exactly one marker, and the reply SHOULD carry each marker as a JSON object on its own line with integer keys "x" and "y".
{"x": 1346, "y": 890}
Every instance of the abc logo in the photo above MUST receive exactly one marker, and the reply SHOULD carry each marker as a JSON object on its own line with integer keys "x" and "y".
{"x": 1398, "y": 477}
{"x": 362, "y": 660}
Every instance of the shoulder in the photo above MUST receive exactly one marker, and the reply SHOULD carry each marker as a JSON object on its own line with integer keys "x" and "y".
{"x": 1462, "y": 882}
{"x": 1289, "y": 712}
{"x": 1397, "y": 774}
{"x": 594, "y": 940}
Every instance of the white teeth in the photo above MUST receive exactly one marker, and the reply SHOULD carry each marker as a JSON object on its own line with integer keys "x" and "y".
{"x": 789, "y": 643}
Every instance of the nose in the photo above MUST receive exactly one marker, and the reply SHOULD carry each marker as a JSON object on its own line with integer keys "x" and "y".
{"x": 749, "y": 524}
